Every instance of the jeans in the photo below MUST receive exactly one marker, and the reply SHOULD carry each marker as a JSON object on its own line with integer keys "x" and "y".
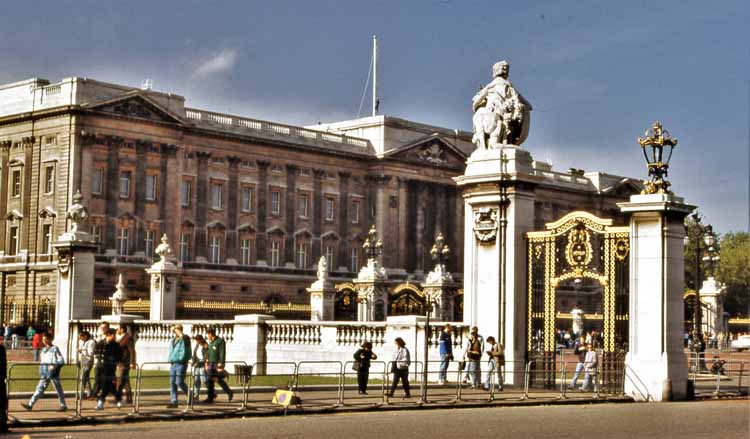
{"x": 474, "y": 370}
{"x": 199, "y": 373}
{"x": 444, "y": 361}
{"x": 579, "y": 368}
{"x": 124, "y": 383}
{"x": 107, "y": 375}
{"x": 492, "y": 367}
{"x": 86, "y": 378}
{"x": 363, "y": 376}
{"x": 36, "y": 355}
{"x": 42, "y": 386}
{"x": 177, "y": 380}
{"x": 590, "y": 373}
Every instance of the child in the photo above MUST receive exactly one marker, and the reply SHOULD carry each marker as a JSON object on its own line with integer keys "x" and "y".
{"x": 49, "y": 371}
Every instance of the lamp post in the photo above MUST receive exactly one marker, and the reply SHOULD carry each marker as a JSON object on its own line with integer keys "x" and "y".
{"x": 373, "y": 245}
{"x": 701, "y": 235}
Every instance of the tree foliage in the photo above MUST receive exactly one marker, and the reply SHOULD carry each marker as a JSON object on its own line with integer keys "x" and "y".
{"x": 734, "y": 272}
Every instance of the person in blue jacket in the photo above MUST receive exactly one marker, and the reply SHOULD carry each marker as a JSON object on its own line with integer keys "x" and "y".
{"x": 180, "y": 353}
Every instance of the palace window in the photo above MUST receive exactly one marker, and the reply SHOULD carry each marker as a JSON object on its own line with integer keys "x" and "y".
{"x": 96, "y": 232}
{"x": 49, "y": 179}
{"x": 123, "y": 241}
{"x": 354, "y": 262}
{"x": 245, "y": 246}
{"x": 151, "y": 187}
{"x": 248, "y": 198}
{"x": 355, "y": 212}
{"x": 47, "y": 239}
{"x": 275, "y": 253}
{"x": 185, "y": 192}
{"x": 302, "y": 255}
{"x": 329, "y": 209}
{"x": 185, "y": 247}
{"x": 329, "y": 255}
{"x": 12, "y": 240}
{"x": 215, "y": 249}
{"x": 303, "y": 203}
{"x": 97, "y": 181}
{"x": 149, "y": 243}
{"x": 277, "y": 169}
{"x": 16, "y": 183}
{"x": 216, "y": 195}
{"x": 125, "y": 184}
{"x": 275, "y": 202}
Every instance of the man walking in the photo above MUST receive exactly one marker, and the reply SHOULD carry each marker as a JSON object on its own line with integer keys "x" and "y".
{"x": 51, "y": 362}
{"x": 590, "y": 365}
{"x": 496, "y": 353}
{"x": 216, "y": 357}
{"x": 111, "y": 353}
{"x": 86, "y": 358}
{"x": 127, "y": 361}
{"x": 179, "y": 355}
{"x": 446, "y": 353}
{"x": 98, "y": 359}
{"x": 474, "y": 350}
{"x": 580, "y": 352}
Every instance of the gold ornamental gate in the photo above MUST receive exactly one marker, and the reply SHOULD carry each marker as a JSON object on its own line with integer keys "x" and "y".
{"x": 579, "y": 266}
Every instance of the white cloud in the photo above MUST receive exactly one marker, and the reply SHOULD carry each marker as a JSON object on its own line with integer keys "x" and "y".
{"x": 218, "y": 63}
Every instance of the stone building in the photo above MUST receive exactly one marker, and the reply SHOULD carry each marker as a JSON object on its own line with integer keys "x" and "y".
{"x": 248, "y": 205}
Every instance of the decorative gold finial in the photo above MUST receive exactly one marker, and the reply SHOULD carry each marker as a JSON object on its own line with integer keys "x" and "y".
{"x": 657, "y": 138}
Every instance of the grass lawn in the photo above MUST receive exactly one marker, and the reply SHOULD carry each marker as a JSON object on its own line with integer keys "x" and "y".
{"x": 24, "y": 378}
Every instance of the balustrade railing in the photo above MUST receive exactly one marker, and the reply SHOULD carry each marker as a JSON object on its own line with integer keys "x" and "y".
{"x": 280, "y": 332}
{"x": 355, "y": 335}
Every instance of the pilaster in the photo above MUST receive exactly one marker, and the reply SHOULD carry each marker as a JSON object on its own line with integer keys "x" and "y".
{"x": 201, "y": 206}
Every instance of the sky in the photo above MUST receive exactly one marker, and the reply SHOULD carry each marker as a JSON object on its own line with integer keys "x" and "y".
{"x": 598, "y": 73}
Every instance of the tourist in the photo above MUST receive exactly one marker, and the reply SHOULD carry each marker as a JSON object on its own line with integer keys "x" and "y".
{"x": 36, "y": 344}
{"x": 99, "y": 359}
{"x": 580, "y": 352}
{"x": 362, "y": 359}
{"x": 446, "y": 352}
{"x": 127, "y": 362}
{"x": 111, "y": 355}
{"x": 49, "y": 372}
{"x": 496, "y": 353}
{"x": 474, "y": 349}
{"x": 179, "y": 355}
{"x": 199, "y": 364}
{"x": 86, "y": 359}
{"x": 590, "y": 364}
{"x": 215, "y": 373}
{"x": 400, "y": 368}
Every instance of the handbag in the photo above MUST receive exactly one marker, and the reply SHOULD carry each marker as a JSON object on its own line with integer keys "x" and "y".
{"x": 357, "y": 365}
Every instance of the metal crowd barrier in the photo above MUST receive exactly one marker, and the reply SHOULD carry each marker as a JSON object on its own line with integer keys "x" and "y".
{"x": 268, "y": 376}
{"x": 87, "y": 406}
{"x": 153, "y": 388}
{"x": 377, "y": 372}
{"x": 729, "y": 377}
{"x": 415, "y": 370}
{"x": 317, "y": 381}
{"x": 235, "y": 372}
{"x": 21, "y": 383}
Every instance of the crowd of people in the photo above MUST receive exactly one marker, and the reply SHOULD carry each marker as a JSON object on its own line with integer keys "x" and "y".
{"x": 21, "y": 336}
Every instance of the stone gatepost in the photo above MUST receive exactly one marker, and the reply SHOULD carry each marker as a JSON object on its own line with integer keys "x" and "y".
{"x": 249, "y": 343}
{"x": 440, "y": 288}
{"x": 322, "y": 295}
{"x": 74, "y": 298}
{"x": 371, "y": 283}
{"x": 165, "y": 277}
{"x": 118, "y": 317}
{"x": 656, "y": 363}
{"x": 498, "y": 190}
{"x": 712, "y": 294}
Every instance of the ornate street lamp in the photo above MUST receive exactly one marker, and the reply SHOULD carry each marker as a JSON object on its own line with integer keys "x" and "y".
{"x": 700, "y": 235}
{"x": 653, "y": 146}
{"x": 373, "y": 246}
{"x": 439, "y": 253}
{"x": 712, "y": 254}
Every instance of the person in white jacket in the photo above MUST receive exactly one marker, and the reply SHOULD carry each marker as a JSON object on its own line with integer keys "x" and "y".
{"x": 400, "y": 367}
{"x": 590, "y": 366}
{"x": 51, "y": 361}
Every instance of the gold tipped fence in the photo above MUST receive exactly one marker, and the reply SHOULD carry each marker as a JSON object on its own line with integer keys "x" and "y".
{"x": 210, "y": 308}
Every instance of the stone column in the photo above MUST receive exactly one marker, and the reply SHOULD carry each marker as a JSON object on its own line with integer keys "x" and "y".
{"x": 260, "y": 236}
{"x": 657, "y": 367}
{"x": 201, "y": 206}
{"x": 232, "y": 208}
{"x": 711, "y": 293}
{"x": 343, "y": 219}
{"x": 322, "y": 295}
{"x": 139, "y": 190}
{"x": 371, "y": 285}
{"x": 496, "y": 305}
{"x": 317, "y": 213}
{"x": 165, "y": 277}
{"x": 74, "y": 298}
{"x": 442, "y": 290}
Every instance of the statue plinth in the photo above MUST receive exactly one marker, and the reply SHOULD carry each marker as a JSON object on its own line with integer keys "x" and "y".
{"x": 372, "y": 292}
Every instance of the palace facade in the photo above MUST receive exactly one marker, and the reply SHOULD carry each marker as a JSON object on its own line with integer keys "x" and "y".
{"x": 248, "y": 206}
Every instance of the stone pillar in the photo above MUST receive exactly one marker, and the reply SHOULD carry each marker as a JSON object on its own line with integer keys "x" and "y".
{"x": 372, "y": 292}
{"x": 202, "y": 203}
{"x": 343, "y": 220}
{"x": 712, "y": 293}
{"x": 322, "y": 295}
{"x": 657, "y": 367}
{"x": 165, "y": 277}
{"x": 261, "y": 236}
{"x": 74, "y": 298}
{"x": 317, "y": 214}
{"x": 249, "y": 343}
{"x": 496, "y": 305}
{"x": 290, "y": 216}
{"x": 232, "y": 207}
{"x": 442, "y": 291}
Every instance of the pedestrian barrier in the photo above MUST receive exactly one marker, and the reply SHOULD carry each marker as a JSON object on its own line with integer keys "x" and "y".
{"x": 414, "y": 376}
{"x": 24, "y": 380}
{"x": 266, "y": 378}
{"x": 234, "y": 378}
{"x": 319, "y": 375}
{"x": 153, "y": 389}
{"x": 123, "y": 382}
{"x": 376, "y": 379}
{"x": 729, "y": 378}
{"x": 630, "y": 375}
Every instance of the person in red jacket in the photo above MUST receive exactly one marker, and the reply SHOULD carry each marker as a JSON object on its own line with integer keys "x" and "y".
{"x": 36, "y": 344}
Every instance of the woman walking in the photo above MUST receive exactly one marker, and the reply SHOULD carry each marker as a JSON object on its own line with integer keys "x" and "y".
{"x": 400, "y": 367}
{"x": 362, "y": 359}
{"x": 199, "y": 364}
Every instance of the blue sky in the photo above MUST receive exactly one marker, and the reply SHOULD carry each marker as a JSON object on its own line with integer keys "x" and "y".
{"x": 598, "y": 73}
